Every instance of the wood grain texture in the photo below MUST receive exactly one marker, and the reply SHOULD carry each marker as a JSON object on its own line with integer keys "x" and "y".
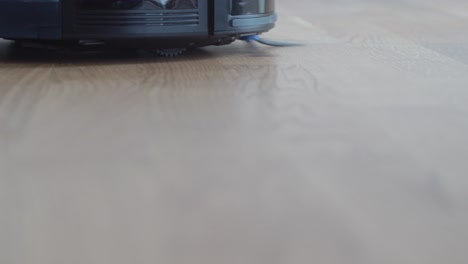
{"x": 351, "y": 149}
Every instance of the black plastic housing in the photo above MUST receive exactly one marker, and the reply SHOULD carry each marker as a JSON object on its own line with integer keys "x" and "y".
{"x": 156, "y": 23}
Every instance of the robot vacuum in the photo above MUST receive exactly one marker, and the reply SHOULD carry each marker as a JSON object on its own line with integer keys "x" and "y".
{"x": 169, "y": 26}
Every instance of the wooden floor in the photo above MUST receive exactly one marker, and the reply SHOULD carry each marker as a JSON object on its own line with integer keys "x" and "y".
{"x": 351, "y": 149}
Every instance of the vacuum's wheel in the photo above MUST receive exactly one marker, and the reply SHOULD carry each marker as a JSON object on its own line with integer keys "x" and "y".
{"x": 170, "y": 52}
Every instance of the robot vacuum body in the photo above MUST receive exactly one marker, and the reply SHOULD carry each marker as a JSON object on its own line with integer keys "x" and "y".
{"x": 152, "y": 23}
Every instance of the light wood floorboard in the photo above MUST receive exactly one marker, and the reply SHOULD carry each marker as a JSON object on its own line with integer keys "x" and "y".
{"x": 350, "y": 149}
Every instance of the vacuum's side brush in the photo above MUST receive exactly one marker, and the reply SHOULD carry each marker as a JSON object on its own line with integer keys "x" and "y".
{"x": 257, "y": 38}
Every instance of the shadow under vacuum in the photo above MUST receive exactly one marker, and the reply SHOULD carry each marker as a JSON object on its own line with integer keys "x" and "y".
{"x": 14, "y": 52}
